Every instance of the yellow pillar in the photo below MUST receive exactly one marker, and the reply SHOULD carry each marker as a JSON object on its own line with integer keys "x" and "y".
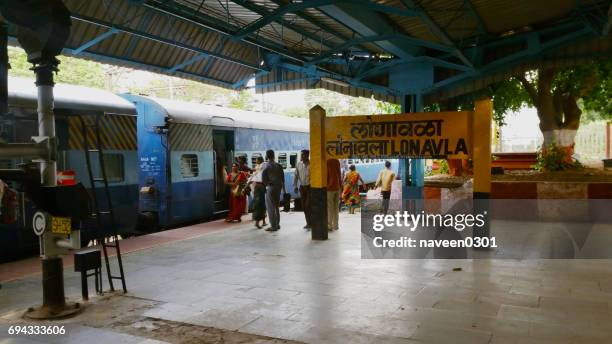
{"x": 318, "y": 174}
{"x": 481, "y": 147}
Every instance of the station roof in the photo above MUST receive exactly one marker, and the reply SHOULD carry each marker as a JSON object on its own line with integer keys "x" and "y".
{"x": 352, "y": 47}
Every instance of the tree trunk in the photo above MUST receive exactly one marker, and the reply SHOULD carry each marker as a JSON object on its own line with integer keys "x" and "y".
{"x": 559, "y": 116}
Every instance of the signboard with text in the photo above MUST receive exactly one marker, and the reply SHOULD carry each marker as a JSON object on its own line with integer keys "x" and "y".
{"x": 424, "y": 135}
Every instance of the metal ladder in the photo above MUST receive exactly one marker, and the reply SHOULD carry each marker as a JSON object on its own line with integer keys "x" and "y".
{"x": 105, "y": 241}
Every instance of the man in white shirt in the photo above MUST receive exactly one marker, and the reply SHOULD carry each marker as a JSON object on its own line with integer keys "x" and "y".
{"x": 302, "y": 175}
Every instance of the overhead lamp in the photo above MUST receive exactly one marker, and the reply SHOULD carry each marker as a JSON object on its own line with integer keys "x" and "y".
{"x": 335, "y": 81}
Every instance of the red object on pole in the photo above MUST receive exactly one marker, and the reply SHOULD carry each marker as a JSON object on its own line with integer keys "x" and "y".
{"x": 67, "y": 177}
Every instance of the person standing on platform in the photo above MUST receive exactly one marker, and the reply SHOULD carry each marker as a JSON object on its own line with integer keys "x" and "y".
{"x": 350, "y": 192}
{"x": 302, "y": 175}
{"x": 259, "y": 193}
{"x": 385, "y": 179}
{"x": 334, "y": 181}
{"x": 237, "y": 181}
{"x": 242, "y": 164}
{"x": 273, "y": 178}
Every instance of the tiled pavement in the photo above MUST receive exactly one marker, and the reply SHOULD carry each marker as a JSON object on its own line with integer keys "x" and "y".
{"x": 283, "y": 285}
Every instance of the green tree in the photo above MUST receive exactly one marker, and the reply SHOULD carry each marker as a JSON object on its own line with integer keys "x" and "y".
{"x": 560, "y": 97}
{"x": 71, "y": 70}
{"x": 387, "y": 108}
{"x": 242, "y": 100}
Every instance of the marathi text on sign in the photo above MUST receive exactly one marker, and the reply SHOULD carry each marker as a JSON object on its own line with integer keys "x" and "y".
{"x": 388, "y": 136}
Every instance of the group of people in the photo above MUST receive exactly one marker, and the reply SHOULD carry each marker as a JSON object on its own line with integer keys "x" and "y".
{"x": 267, "y": 183}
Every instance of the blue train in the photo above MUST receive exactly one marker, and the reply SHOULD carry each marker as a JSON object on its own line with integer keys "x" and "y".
{"x": 164, "y": 159}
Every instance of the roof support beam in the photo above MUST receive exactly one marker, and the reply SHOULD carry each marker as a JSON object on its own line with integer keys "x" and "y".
{"x": 312, "y": 71}
{"x": 482, "y": 28}
{"x": 383, "y": 67}
{"x": 369, "y": 24}
{"x": 534, "y": 48}
{"x": 437, "y": 31}
{"x": 378, "y": 38}
{"x": 313, "y": 21}
{"x": 95, "y": 41}
{"x": 162, "y": 40}
{"x": 240, "y": 83}
{"x": 136, "y": 64}
{"x": 215, "y": 25}
{"x": 187, "y": 62}
{"x": 263, "y": 12}
{"x": 294, "y": 7}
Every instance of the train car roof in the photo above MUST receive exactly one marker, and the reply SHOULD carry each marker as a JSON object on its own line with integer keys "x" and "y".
{"x": 195, "y": 113}
{"x": 22, "y": 93}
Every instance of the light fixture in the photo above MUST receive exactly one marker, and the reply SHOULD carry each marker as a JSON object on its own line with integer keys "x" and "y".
{"x": 335, "y": 81}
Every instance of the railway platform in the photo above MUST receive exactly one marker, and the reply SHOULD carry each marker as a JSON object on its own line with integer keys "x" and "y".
{"x": 233, "y": 283}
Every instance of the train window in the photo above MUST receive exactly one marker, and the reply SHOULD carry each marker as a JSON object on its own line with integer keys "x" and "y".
{"x": 293, "y": 160}
{"x": 189, "y": 165}
{"x": 282, "y": 159}
{"x": 254, "y": 157}
{"x": 350, "y": 161}
{"x": 113, "y": 167}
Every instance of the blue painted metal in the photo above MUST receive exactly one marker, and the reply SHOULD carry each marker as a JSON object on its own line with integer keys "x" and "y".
{"x": 285, "y": 82}
{"x": 153, "y": 160}
{"x": 312, "y": 71}
{"x": 411, "y": 78}
{"x": 187, "y": 62}
{"x": 264, "y": 12}
{"x": 139, "y": 65}
{"x": 244, "y": 81}
{"x": 188, "y": 14}
{"x": 159, "y": 39}
{"x": 369, "y": 24}
{"x": 261, "y": 140}
{"x": 378, "y": 38}
{"x": 95, "y": 41}
{"x": 437, "y": 31}
{"x": 534, "y": 48}
{"x": 482, "y": 28}
{"x": 298, "y": 6}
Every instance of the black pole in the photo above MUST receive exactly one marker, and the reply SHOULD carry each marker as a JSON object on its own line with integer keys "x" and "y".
{"x": 4, "y": 65}
{"x": 53, "y": 284}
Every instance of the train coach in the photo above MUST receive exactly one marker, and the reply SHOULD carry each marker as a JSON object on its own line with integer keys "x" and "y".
{"x": 117, "y": 128}
{"x": 164, "y": 159}
{"x": 183, "y": 149}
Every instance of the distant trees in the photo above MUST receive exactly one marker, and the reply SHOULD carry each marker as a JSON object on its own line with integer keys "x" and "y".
{"x": 71, "y": 70}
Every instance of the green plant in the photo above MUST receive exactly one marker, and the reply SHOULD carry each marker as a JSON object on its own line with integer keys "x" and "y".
{"x": 444, "y": 169}
{"x": 554, "y": 158}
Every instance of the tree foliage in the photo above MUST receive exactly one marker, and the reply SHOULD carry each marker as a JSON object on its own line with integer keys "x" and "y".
{"x": 588, "y": 85}
{"x": 71, "y": 70}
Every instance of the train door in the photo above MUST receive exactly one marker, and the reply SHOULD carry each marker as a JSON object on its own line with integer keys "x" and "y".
{"x": 223, "y": 147}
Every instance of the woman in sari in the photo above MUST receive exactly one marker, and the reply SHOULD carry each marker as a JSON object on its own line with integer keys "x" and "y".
{"x": 237, "y": 181}
{"x": 350, "y": 191}
{"x": 259, "y": 194}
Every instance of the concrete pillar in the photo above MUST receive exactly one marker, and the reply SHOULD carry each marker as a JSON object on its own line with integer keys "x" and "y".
{"x": 318, "y": 174}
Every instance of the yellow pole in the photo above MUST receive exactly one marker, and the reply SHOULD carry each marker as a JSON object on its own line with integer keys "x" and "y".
{"x": 481, "y": 150}
{"x": 481, "y": 147}
{"x": 318, "y": 174}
